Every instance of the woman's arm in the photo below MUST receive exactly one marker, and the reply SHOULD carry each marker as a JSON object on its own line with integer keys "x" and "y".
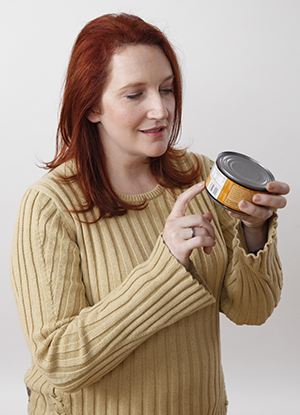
{"x": 253, "y": 282}
{"x": 263, "y": 205}
{"x": 74, "y": 344}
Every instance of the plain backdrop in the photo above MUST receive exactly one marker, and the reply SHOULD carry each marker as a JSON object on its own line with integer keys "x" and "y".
{"x": 241, "y": 65}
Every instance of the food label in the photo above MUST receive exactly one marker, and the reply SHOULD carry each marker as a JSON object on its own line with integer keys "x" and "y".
{"x": 226, "y": 191}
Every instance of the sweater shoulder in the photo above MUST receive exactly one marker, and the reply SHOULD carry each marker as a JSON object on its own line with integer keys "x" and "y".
{"x": 51, "y": 195}
{"x": 205, "y": 163}
{"x": 54, "y": 181}
{"x": 53, "y": 186}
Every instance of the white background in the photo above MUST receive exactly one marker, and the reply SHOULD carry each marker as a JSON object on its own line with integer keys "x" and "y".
{"x": 241, "y": 63}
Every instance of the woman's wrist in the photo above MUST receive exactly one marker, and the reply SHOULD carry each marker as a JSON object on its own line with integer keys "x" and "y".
{"x": 256, "y": 236}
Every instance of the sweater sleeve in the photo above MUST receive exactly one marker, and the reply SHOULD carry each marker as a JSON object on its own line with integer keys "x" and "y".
{"x": 253, "y": 282}
{"x": 74, "y": 344}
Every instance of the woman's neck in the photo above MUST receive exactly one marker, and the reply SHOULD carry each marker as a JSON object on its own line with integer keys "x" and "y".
{"x": 131, "y": 179}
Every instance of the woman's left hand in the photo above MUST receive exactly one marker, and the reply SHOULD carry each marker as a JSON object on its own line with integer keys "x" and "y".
{"x": 259, "y": 211}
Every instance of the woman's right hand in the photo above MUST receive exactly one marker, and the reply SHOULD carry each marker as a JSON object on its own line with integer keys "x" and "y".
{"x": 184, "y": 233}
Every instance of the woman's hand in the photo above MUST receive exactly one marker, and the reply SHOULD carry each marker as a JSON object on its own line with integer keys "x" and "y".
{"x": 183, "y": 233}
{"x": 259, "y": 211}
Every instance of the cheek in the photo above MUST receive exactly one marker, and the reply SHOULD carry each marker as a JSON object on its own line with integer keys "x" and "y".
{"x": 171, "y": 107}
{"x": 118, "y": 119}
{"x": 122, "y": 117}
{"x": 130, "y": 119}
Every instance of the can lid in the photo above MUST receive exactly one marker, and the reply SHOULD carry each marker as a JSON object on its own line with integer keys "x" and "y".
{"x": 244, "y": 170}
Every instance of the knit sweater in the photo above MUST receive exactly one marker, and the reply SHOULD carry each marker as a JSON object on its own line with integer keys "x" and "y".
{"x": 114, "y": 323}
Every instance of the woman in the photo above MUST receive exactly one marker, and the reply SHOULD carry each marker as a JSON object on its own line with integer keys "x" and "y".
{"x": 120, "y": 262}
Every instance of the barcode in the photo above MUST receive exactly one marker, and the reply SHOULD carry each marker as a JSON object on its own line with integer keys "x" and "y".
{"x": 214, "y": 190}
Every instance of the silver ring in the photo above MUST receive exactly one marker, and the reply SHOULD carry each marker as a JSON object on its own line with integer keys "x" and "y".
{"x": 192, "y": 232}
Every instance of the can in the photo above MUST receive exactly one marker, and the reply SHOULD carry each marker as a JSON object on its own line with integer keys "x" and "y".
{"x": 235, "y": 177}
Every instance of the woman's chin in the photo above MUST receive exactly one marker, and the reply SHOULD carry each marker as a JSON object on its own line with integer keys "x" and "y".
{"x": 158, "y": 150}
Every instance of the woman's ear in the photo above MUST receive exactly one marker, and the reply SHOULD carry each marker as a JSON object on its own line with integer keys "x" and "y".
{"x": 94, "y": 115}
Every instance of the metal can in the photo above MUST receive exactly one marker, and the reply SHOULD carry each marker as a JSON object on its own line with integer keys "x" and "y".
{"x": 235, "y": 177}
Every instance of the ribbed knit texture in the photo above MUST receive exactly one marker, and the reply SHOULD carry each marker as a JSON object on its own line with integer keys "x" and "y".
{"x": 114, "y": 324}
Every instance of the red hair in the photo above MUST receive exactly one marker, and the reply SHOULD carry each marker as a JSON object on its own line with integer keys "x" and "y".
{"x": 78, "y": 139}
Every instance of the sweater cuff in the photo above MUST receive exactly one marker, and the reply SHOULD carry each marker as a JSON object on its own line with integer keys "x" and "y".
{"x": 168, "y": 260}
{"x": 195, "y": 274}
{"x": 239, "y": 241}
{"x": 266, "y": 259}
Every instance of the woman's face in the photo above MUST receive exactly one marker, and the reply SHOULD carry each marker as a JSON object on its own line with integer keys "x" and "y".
{"x": 136, "y": 111}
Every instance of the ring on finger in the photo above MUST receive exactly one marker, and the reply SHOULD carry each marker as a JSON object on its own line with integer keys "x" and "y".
{"x": 192, "y": 232}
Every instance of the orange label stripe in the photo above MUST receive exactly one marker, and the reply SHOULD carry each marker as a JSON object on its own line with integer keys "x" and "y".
{"x": 232, "y": 193}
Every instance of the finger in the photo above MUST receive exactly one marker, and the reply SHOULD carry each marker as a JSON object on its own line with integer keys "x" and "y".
{"x": 207, "y": 249}
{"x": 269, "y": 200}
{"x": 279, "y": 188}
{"x": 208, "y": 216}
{"x": 184, "y": 198}
{"x": 197, "y": 222}
{"x": 193, "y": 232}
{"x": 201, "y": 241}
{"x": 255, "y": 211}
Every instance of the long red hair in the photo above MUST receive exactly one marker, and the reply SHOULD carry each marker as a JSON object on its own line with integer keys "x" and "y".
{"x": 78, "y": 139}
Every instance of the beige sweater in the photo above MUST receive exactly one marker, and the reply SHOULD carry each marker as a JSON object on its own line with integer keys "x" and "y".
{"x": 114, "y": 324}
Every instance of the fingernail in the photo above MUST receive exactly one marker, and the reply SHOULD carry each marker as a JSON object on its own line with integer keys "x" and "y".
{"x": 270, "y": 186}
{"x": 201, "y": 184}
{"x": 256, "y": 198}
{"x": 243, "y": 204}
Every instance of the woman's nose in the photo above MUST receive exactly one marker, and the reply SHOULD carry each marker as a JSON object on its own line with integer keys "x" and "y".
{"x": 157, "y": 108}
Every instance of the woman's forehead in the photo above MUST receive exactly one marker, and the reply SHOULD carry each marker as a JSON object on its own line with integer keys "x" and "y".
{"x": 138, "y": 63}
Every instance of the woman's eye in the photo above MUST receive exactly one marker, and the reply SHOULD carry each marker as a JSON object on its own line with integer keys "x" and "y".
{"x": 133, "y": 96}
{"x": 166, "y": 90}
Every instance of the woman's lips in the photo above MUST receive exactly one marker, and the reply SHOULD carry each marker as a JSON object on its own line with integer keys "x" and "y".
{"x": 154, "y": 132}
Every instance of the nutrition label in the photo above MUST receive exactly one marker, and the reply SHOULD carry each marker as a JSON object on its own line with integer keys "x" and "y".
{"x": 217, "y": 181}
{"x": 249, "y": 178}
{"x": 225, "y": 191}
